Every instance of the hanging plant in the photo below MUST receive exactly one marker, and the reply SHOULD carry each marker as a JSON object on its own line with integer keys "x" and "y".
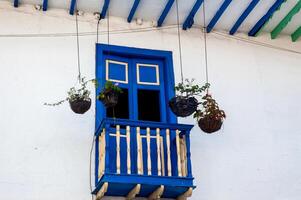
{"x": 211, "y": 118}
{"x": 78, "y": 98}
{"x": 185, "y": 102}
{"x": 109, "y": 95}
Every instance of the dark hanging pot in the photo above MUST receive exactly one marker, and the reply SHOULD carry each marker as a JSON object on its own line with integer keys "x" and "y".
{"x": 210, "y": 125}
{"x": 183, "y": 106}
{"x": 110, "y": 98}
{"x": 80, "y": 106}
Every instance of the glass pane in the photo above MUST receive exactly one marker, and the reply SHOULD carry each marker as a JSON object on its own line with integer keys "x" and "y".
{"x": 121, "y": 110}
{"x": 149, "y": 105}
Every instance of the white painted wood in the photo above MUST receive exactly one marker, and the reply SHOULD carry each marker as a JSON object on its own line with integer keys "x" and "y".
{"x": 157, "y": 193}
{"x": 178, "y": 153}
{"x": 168, "y": 152}
{"x": 139, "y": 150}
{"x": 101, "y": 155}
{"x": 102, "y": 191}
{"x": 118, "y": 149}
{"x": 162, "y": 156}
{"x": 135, "y": 191}
{"x": 128, "y": 144}
{"x": 158, "y": 152}
{"x": 149, "y": 161}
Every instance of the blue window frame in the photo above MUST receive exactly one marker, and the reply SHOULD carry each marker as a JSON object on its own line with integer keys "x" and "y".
{"x": 136, "y": 70}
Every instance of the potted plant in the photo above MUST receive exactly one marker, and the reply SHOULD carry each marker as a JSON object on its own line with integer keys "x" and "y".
{"x": 79, "y": 99}
{"x": 109, "y": 95}
{"x": 210, "y": 119}
{"x": 185, "y": 103}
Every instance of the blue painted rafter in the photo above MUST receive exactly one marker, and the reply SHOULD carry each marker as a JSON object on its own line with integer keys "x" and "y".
{"x": 218, "y": 15}
{"x": 165, "y": 12}
{"x": 189, "y": 20}
{"x": 133, "y": 10}
{"x": 258, "y": 26}
{"x": 104, "y": 9}
{"x": 244, "y": 15}
{"x": 16, "y": 3}
{"x": 45, "y": 5}
{"x": 72, "y": 7}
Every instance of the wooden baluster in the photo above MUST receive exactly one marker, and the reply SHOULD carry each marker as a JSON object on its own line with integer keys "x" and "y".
{"x": 118, "y": 149}
{"x": 188, "y": 155}
{"x": 178, "y": 152}
{"x": 139, "y": 152}
{"x": 158, "y": 151}
{"x": 183, "y": 156}
{"x": 100, "y": 156}
{"x": 103, "y": 156}
{"x": 149, "y": 161}
{"x": 107, "y": 148}
{"x": 128, "y": 144}
{"x": 162, "y": 157}
{"x": 168, "y": 152}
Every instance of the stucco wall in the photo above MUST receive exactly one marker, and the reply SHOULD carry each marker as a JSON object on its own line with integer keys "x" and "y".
{"x": 44, "y": 151}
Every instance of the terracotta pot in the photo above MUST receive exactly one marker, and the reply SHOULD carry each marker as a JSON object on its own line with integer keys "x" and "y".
{"x": 210, "y": 125}
{"x": 80, "y": 106}
{"x": 183, "y": 106}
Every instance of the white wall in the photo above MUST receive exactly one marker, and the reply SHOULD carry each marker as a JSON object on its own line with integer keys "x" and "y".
{"x": 44, "y": 151}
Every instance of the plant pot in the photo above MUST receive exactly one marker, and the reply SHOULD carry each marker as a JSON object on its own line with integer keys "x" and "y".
{"x": 183, "y": 106}
{"x": 80, "y": 106}
{"x": 110, "y": 98}
{"x": 210, "y": 125}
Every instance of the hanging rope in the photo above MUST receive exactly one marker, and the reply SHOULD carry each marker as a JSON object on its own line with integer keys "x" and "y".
{"x": 77, "y": 40}
{"x": 97, "y": 30}
{"x": 179, "y": 42}
{"x": 205, "y": 43}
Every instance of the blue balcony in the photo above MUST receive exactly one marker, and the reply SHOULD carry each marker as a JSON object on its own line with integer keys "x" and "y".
{"x": 143, "y": 159}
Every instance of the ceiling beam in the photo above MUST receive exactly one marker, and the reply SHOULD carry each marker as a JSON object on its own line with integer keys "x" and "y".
{"x": 45, "y": 5}
{"x": 165, "y": 12}
{"x": 133, "y": 10}
{"x": 104, "y": 9}
{"x": 189, "y": 21}
{"x": 284, "y": 22}
{"x": 244, "y": 15}
{"x": 260, "y": 24}
{"x": 218, "y": 15}
{"x": 72, "y": 7}
{"x": 296, "y": 35}
{"x": 16, "y": 3}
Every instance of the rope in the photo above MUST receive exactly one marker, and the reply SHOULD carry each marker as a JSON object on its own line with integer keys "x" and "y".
{"x": 77, "y": 41}
{"x": 97, "y": 29}
{"x": 205, "y": 44}
{"x": 179, "y": 42}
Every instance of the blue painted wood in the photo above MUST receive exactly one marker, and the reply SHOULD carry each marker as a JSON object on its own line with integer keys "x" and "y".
{"x": 45, "y": 5}
{"x": 189, "y": 21}
{"x": 72, "y": 7}
{"x": 104, "y": 9}
{"x": 188, "y": 155}
{"x": 165, "y": 12}
{"x": 133, "y": 10}
{"x": 265, "y": 18}
{"x": 244, "y": 15}
{"x": 218, "y": 15}
{"x": 16, "y": 3}
{"x": 107, "y": 154}
{"x": 96, "y": 160}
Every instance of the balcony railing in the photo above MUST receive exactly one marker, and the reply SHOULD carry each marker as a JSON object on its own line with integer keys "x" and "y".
{"x": 150, "y": 156}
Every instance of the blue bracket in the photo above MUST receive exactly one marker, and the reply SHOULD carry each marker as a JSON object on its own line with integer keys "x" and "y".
{"x": 165, "y": 12}
{"x": 218, "y": 15}
{"x": 189, "y": 20}
{"x": 265, "y": 18}
{"x": 133, "y": 10}
{"x": 104, "y": 9}
{"x": 45, "y": 5}
{"x": 72, "y": 7}
{"x": 244, "y": 15}
{"x": 16, "y": 3}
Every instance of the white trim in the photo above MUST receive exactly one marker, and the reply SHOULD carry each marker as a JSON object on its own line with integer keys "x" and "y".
{"x": 148, "y": 65}
{"x": 119, "y": 63}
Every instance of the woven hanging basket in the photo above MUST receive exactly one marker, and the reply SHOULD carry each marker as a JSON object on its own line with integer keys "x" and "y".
{"x": 80, "y": 106}
{"x": 183, "y": 106}
{"x": 210, "y": 125}
{"x": 110, "y": 98}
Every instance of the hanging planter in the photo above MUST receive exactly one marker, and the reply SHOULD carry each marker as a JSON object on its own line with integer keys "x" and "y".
{"x": 210, "y": 119}
{"x": 109, "y": 95}
{"x": 185, "y": 104}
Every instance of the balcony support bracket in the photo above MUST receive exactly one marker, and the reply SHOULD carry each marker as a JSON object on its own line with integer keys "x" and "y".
{"x": 135, "y": 191}
{"x": 157, "y": 193}
{"x": 187, "y": 194}
{"x": 102, "y": 191}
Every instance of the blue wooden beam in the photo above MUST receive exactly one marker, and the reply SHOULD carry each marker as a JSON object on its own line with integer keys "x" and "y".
{"x": 165, "y": 12}
{"x": 104, "y": 9}
{"x": 218, "y": 15}
{"x": 133, "y": 10}
{"x": 16, "y": 3}
{"x": 72, "y": 7}
{"x": 265, "y": 18}
{"x": 45, "y": 5}
{"x": 244, "y": 15}
{"x": 190, "y": 18}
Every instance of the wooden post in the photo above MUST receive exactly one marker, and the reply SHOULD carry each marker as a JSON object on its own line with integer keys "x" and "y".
{"x": 149, "y": 161}
{"x": 178, "y": 152}
{"x": 139, "y": 152}
{"x": 118, "y": 149}
{"x": 128, "y": 144}
{"x": 158, "y": 151}
{"x": 107, "y": 151}
{"x": 168, "y": 152}
{"x": 188, "y": 155}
